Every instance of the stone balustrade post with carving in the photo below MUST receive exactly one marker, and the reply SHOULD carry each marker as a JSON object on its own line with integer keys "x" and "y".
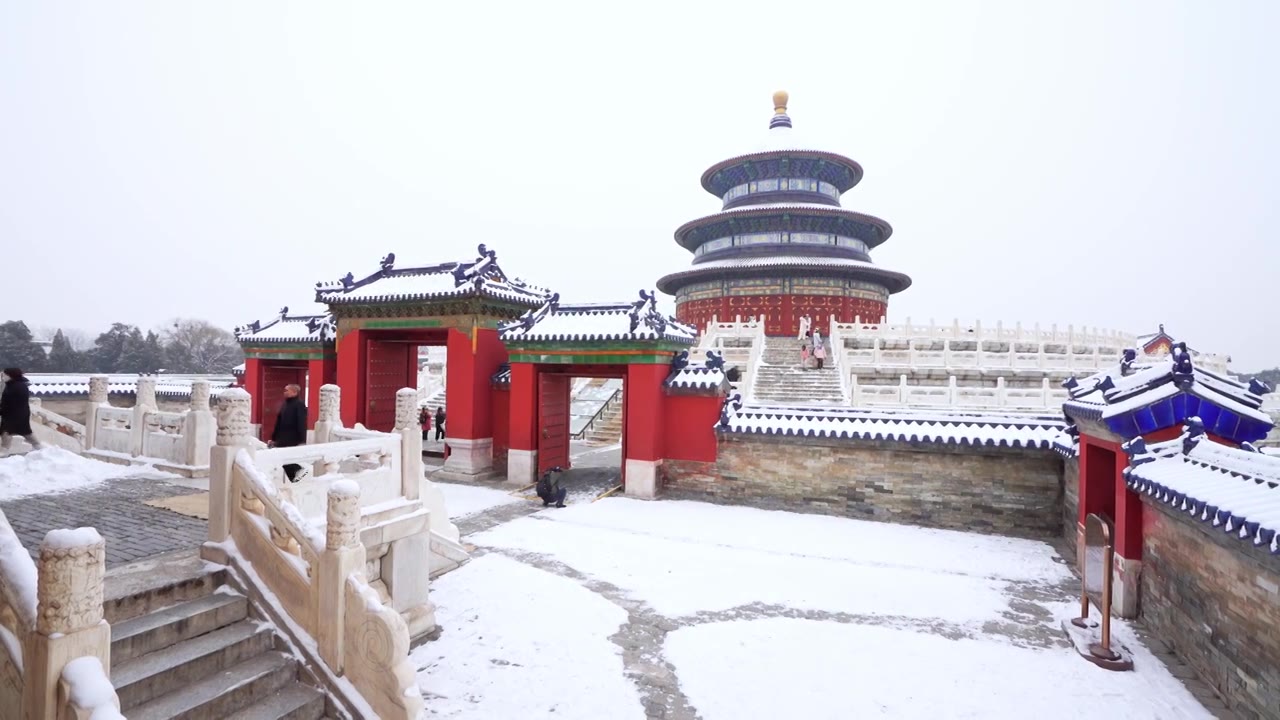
{"x": 232, "y": 435}
{"x": 329, "y": 418}
{"x": 199, "y": 428}
{"x": 97, "y": 399}
{"x": 144, "y": 402}
{"x": 69, "y": 622}
{"x": 343, "y": 555}
{"x": 410, "y": 442}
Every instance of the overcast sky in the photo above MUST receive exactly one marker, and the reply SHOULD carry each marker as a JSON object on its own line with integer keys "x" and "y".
{"x": 1110, "y": 164}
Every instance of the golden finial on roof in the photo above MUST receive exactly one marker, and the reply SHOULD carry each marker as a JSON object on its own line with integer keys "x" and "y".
{"x": 780, "y": 102}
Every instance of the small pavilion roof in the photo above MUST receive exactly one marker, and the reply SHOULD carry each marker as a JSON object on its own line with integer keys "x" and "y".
{"x": 482, "y": 277}
{"x": 598, "y": 322}
{"x": 1137, "y": 398}
{"x": 1233, "y": 489}
{"x": 288, "y": 329}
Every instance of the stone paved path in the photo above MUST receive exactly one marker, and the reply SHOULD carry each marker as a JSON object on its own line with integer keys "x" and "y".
{"x": 133, "y": 530}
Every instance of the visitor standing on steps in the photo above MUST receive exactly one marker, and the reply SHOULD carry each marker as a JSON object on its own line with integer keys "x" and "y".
{"x": 15, "y": 410}
{"x": 819, "y": 351}
{"x": 439, "y": 423}
{"x": 424, "y": 420}
{"x": 804, "y": 354}
{"x": 291, "y": 429}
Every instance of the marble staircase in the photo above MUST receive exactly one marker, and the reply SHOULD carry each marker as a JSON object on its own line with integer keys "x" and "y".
{"x": 781, "y": 380}
{"x": 607, "y": 429}
{"x": 187, "y": 645}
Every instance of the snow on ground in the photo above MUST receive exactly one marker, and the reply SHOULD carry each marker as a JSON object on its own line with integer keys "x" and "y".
{"x": 53, "y": 469}
{"x": 686, "y": 557}
{"x": 519, "y": 642}
{"x": 464, "y": 500}
{"x": 827, "y": 670}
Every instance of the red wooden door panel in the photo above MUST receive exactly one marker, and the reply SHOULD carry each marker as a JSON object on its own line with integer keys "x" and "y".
{"x": 553, "y": 421}
{"x": 274, "y": 378}
{"x": 388, "y": 364}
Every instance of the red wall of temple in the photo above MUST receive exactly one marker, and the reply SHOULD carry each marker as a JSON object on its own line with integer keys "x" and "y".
{"x": 782, "y": 313}
{"x": 690, "y": 422}
{"x": 501, "y": 427}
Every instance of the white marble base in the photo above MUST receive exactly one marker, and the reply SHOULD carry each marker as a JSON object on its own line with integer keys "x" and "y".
{"x": 642, "y": 479}
{"x": 469, "y": 456}
{"x": 522, "y": 467}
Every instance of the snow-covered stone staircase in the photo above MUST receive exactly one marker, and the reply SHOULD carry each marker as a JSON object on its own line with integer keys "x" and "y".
{"x": 607, "y": 429}
{"x": 780, "y": 379}
{"x": 190, "y": 647}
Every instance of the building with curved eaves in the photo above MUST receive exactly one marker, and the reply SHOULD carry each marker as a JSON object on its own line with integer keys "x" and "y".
{"x": 782, "y": 247}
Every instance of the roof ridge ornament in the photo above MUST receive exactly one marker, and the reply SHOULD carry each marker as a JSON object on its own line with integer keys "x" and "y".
{"x": 780, "y": 117}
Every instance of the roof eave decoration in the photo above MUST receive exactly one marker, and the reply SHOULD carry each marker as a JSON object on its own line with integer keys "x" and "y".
{"x": 480, "y": 277}
{"x": 1196, "y": 477}
{"x": 1142, "y": 398}
{"x": 321, "y": 329}
{"x": 709, "y": 375}
{"x": 644, "y": 324}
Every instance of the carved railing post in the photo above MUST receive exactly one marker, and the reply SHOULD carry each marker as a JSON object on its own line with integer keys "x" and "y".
{"x": 97, "y": 398}
{"x": 144, "y": 402}
{"x": 232, "y": 435}
{"x": 199, "y": 429}
{"x": 410, "y": 442}
{"x": 329, "y": 418}
{"x": 343, "y": 554}
{"x": 68, "y": 616}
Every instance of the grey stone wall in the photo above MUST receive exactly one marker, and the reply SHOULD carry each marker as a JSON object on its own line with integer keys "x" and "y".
{"x": 992, "y": 490}
{"x": 1070, "y": 506}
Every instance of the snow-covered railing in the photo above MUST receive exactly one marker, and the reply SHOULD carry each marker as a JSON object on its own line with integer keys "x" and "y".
{"x": 753, "y": 362}
{"x": 312, "y": 571}
{"x": 736, "y": 328}
{"x": 65, "y": 432}
{"x": 999, "y": 333}
{"x": 173, "y": 441}
{"x": 835, "y": 338}
{"x": 956, "y": 395}
{"x": 54, "y": 643}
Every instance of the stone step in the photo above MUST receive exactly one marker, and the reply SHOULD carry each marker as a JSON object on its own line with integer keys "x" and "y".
{"x": 219, "y": 694}
{"x": 174, "y": 624}
{"x": 293, "y": 702}
{"x": 150, "y": 676}
{"x": 138, "y": 588}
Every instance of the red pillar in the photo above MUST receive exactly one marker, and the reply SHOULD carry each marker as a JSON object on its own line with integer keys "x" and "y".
{"x": 350, "y": 376}
{"x": 253, "y": 385}
{"x": 469, "y": 428}
{"x": 1128, "y": 539}
{"x": 643, "y": 409}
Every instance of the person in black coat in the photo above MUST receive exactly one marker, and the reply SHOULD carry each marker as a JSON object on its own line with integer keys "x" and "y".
{"x": 549, "y": 488}
{"x": 15, "y": 410}
{"x": 291, "y": 428}
{"x": 439, "y": 423}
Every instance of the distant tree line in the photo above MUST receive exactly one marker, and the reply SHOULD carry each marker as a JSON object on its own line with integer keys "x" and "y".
{"x": 187, "y": 346}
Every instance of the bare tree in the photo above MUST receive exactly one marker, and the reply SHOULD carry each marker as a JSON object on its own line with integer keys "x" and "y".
{"x": 196, "y": 346}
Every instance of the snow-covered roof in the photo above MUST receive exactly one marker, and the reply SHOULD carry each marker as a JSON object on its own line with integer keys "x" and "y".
{"x": 501, "y": 378}
{"x": 790, "y": 208}
{"x": 238, "y": 370}
{"x": 1231, "y": 488}
{"x": 982, "y": 429}
{"x": 290, "y": 329}
{"x": 1135, "y": 398}
{"x": 1067, "y": 442}
{"x": 639, "y": 320}
{"x": 707, "y": 374}
{"x": 58, "y": 384}
{"x": 481, "y": 276}
{"x": 895, "y": 281}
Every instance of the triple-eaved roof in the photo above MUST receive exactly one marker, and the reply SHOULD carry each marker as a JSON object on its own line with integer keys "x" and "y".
{"x": 1135, "y": 398}
{"x": 598, "y": 322}
{"x": 482, "y": 277}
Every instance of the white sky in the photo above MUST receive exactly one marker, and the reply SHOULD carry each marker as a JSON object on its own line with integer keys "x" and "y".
{"x": 1097, "y": 163}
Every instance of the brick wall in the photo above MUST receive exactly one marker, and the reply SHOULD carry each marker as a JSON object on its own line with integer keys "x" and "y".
{"x": 1070, "y": 507}
{"x": 1215, "y": 600}
{"x": 996, "y": 490}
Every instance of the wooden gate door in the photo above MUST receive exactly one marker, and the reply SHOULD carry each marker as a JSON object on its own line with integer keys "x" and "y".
{"x": 388, "y": 363}
{"x": 553, "y": 421}
{"x": 274, "y": 378}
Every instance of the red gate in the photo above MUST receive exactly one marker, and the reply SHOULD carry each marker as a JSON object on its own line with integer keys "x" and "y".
{"x": 553, "y": 421}
{"x": 388, "y": 365}
{"x": 274, "y": 378}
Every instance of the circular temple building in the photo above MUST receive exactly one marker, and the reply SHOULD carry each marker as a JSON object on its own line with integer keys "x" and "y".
{"x": 782, "y": 247}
